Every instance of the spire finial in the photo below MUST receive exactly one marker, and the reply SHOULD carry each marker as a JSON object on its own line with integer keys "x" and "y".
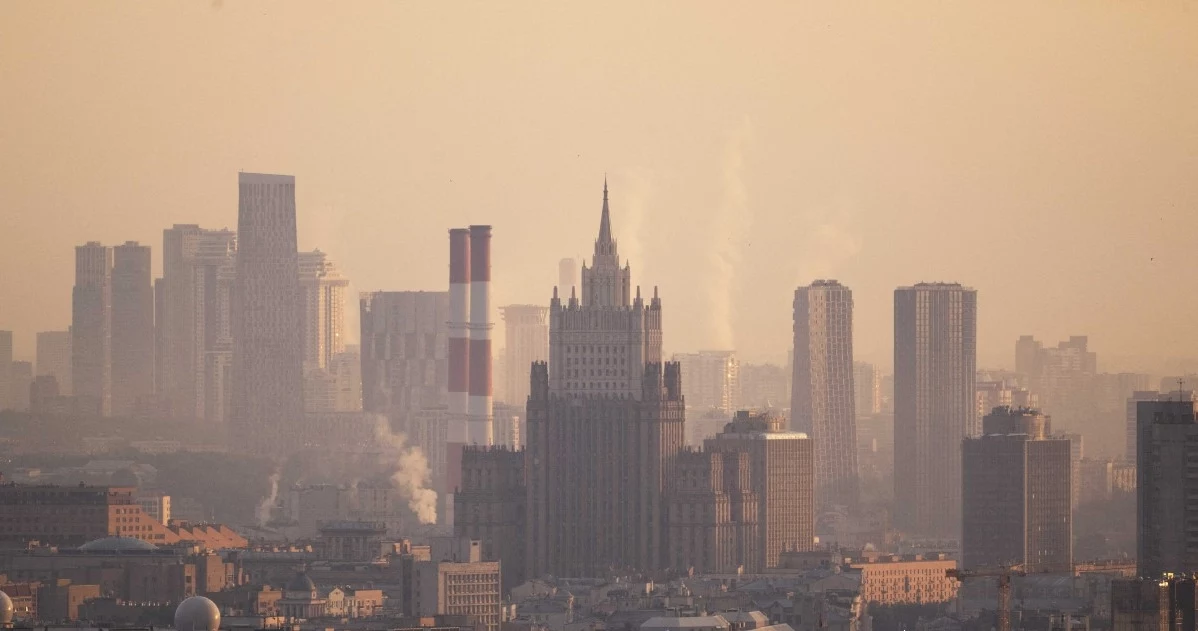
{"x": 605, "y": 244}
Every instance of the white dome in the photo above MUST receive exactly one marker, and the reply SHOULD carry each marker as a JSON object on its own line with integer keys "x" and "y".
{"x": 6, "y": 609}
{"x": 197, "y": 614}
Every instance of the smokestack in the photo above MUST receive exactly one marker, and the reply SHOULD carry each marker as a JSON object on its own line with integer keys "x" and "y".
{"x": 480, "y": 420}
{"x": 459, "y": 331}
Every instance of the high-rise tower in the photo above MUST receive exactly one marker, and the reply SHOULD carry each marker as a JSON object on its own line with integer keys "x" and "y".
{"x": 91, "y": 326}
{"x": 822, "y": 398}
{"x": 322, "y": 299}
{"x": 935, "y": 370}
{"x": 605, "y": 426}
{"x": 1017, "y": 487}
{"x": 267, "y": 338}
{"x": 132, "y": 327}
{"x": 1167, "y": 488}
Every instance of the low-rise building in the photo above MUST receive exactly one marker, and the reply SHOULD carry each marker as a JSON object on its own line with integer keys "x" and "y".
{"x": 904, "y": 580}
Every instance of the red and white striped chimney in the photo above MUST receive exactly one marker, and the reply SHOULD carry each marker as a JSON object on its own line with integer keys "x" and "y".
{"x": 459, "y": 333}
{"x": 480, "y": 414}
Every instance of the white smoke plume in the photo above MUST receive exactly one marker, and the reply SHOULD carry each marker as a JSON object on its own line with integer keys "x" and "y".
{"x": 629, "y": 219}
{"x": 268, "y": 503}
{"x": 410, "y": 473}
{"x": 830, "y": 243}
{"x": 730, "y": 233}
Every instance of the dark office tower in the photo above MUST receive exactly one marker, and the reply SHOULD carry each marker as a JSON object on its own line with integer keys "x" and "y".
{"x": 132, "y": 327}
{"x": 935, "y": 367}
{"x": 605, "y": 427}
{"x": 91, "y": 327}
{"x": 822, "y": 398}
{"x": 1167, "y": 503}
{"x": 1016, "y": 490}
{"x": 267, "y": 339}
{"x": 174, "y": 296}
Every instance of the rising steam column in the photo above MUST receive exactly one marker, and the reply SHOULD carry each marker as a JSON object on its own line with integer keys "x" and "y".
{"x": 480, "y": 413}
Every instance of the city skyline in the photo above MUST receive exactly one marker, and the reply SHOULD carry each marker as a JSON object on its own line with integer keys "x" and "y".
{"x": 682, "y": 182}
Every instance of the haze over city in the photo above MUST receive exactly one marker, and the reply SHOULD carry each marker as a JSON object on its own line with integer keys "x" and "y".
{"x": 619, "y": 316}
{"x": 1042, "y": 154}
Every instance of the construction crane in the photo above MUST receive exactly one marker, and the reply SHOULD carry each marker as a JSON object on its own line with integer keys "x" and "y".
{"x": 1004, "y": 574}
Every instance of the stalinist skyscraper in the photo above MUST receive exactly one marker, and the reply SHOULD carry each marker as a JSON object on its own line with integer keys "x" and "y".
{"x": 605, "y": 426}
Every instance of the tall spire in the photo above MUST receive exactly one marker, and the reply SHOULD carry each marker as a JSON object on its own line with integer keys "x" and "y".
{"x": 605, "y": 244}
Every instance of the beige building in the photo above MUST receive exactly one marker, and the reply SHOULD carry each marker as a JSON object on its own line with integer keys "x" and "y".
{"x": 712, "y": 380}
{"x": 322, "y": 302}
{"x": 906, "y": 580}
{"x": 455, "y": 581}
{"x": 822, "y": 398}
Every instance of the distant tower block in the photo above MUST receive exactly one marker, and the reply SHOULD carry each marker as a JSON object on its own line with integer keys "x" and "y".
{"x": 480, "y": 413}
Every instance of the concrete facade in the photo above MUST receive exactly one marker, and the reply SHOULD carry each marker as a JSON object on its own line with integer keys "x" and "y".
{"x": 267, "y": 372}
{"x": 823, "y": 400}
{"x": 935, "y": 370}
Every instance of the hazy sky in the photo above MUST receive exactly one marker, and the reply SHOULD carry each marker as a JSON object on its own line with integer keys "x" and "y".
{"x": 1045, "y": 153}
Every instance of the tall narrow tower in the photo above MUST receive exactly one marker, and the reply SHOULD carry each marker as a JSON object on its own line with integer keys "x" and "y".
{"x": 459, "y": 332}
{"x": 267, "y": 341}
{"x": 605, "y": 427}
{"x": 132, "y": 327}
{"x": 935, "y": 372}
{"x": 91, "y": 326}
{"x": 822, "y": 397}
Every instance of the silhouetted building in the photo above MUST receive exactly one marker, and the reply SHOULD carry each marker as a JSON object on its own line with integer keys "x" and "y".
{"x": 322, "y": 302}
{"x": 526, "y": 335}
{"x": 20, "y": 379}
{"x": 1153, "y": 604}
{"x": 822, "y": 397}
{"x": 91, "y": 325}
{"x": 1016, "y": 490}
{"x": 1133, "y": 422}
{"x": 744, "y": 499}
{"x": 213, "y": 274}
{"x": 935, "y": 366}
{"x": 132, "y": 327}
{"x": 267, "y": 337}
{"x": 490, "y": 506}
{"x": 605, "y": 426}
{"x": 54, "y": 357}
{"x": 1167, "y": 461}
{"x": 712, "y": 380}
{"x": 194, "y": 321}
{"x": 404, "y": 353}
{"x": 764, "y": 385}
